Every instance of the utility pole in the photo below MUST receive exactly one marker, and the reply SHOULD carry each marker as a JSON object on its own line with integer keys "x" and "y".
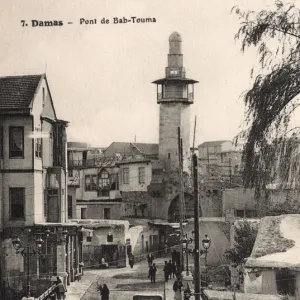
{"x": 196, "y": 229}
{"x": 180, "y": 190}
{"x": 230, "y": 172}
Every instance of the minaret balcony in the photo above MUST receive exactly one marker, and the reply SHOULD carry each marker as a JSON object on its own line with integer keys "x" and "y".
{"x": 189, "y": 98}
{"x": 175, "y": 90}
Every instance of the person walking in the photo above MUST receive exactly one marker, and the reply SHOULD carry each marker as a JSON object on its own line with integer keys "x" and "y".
{"x": 131, "y": 260}
{"x": 170, "y": 269}
{"x": 166, "y": 270}
{"x": 105, "y": 292}
{"x": 174, "y": 256}
{"x": 150, "y": 259}
{"x": 152, "y": 273}
{"x": 60, "y": 289}
{"x": 177, "y": 285}
{"x": 174, "y": 269}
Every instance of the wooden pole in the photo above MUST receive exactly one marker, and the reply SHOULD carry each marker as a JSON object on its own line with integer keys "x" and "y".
{"x": 196, "y": 229}
{"x": 180, "y": 188}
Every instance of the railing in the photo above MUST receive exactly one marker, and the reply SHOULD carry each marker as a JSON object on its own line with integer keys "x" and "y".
{"x": 107, "y": 161}
{"x": 177, "y": 96}
{"x": 47, "y": 293}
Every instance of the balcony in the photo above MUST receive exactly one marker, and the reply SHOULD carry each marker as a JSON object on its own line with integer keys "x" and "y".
{"x": 175, "y": 97}
{"x": 107, "y": 161}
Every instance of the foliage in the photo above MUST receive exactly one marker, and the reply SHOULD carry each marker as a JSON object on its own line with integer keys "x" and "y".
{"x": 244, "y": 239}
{"x": 275, "y": 33}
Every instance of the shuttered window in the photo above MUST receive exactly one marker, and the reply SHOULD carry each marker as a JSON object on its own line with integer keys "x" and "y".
{"x": 17, "y": 203}
{"x": 16, "y": 142}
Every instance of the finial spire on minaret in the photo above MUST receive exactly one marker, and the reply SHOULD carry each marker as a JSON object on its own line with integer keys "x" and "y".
{"x": 175, "y": 43}
{"x": 175, "y": 58}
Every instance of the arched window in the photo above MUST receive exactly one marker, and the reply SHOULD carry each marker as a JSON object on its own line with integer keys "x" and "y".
{"x": 104, "y": 183}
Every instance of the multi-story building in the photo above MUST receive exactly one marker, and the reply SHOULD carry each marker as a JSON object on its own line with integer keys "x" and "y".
{"x": 223, "y": 193}
{"x": 33, "y": 188}
{"x": 100, "y": 183}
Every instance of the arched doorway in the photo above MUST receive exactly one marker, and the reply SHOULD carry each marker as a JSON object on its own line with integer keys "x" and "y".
{"x": 174, "y": 208}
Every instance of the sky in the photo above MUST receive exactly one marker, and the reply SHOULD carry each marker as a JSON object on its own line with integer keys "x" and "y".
{"x": 100, "y": 74}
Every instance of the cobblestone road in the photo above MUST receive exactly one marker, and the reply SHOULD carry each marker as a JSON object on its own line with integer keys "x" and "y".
{"x": 126, "y": 282}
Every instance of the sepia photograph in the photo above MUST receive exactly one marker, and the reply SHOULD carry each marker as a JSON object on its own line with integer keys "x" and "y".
{"x": 149, "y": 150}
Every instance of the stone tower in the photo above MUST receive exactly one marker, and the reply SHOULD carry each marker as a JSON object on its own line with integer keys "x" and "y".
{"x": 175, "y": 94}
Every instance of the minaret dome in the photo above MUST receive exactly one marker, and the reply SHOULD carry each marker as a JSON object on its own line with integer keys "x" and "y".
{"x": 175, "y": 37}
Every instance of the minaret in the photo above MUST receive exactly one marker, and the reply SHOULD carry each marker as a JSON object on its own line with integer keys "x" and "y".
{"x": 175, "y": 94}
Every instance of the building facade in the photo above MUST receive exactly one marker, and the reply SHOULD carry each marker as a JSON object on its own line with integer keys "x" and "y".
{"x": 33, "y": 185}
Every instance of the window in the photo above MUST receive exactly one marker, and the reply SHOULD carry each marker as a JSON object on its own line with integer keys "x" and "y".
{"x": 104, "y": 184}
{"x": 90, "y": 182}
{"x": 52, "y": 192}
{"x": 250, "y": 213}
{"x": 83, "y": 213}
{"x": 38, "y": 147}
{"x": 88, "y": 238}
{"x": 16, "y": 142}
{"x": 169, "y": 155}
{"x": 239, "y": 213}
{"x": 142, "y": 175}
{"x": 43, "y": 97}
{"x": 17, "y": 203}
{"x": 156, "y": 172}
{"x": 70, "y": 172}
{"x": 110, "y": 238}
{"x": 1, "y": 141}
{"x": 125, "y": 176}
{"x": 69, "y": 206}
{"x": 114, "y": 179}
{"x": 106, "y": 213}
{"x": 104, "y": 180}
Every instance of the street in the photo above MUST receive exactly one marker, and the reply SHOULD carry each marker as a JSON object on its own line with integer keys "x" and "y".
{"x": 123, "y": 283}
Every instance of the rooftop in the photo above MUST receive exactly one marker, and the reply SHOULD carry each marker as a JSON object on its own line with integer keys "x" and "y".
{"x": 277, "y": 243}
{"x": 17, "y": 92}
{"x": 212, "y": 143}
{"x": 126, "y": 148}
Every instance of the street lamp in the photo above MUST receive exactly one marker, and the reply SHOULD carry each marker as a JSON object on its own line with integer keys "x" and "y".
{"x": 27, "y": 252}
{"x": 206, "y": 244}
{"x": 185, "y": 243}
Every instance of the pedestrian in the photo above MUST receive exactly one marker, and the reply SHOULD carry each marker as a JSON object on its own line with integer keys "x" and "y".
{"x": 177, "y": 285}
{"x": 170, "y": 269}
{"x": 166, "y": 271}
{"x": 60, "y": 289}
{"x": 131, "y": 260}
{"x": 174, "y": 269}
{"x": 105, "y": 292}
{"x": 150, "y": 259}
{"x": 104, "y": 264}
{"x": 178, "y": 260}
{"x": 174, "y": 256}
{"x": 152, "y": 273}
